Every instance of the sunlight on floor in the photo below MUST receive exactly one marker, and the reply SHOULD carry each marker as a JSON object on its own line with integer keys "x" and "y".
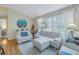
{"x": 4, "y": 41}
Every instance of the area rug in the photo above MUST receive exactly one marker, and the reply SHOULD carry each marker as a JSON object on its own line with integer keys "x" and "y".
{"x": 28, "y": 49}
{"x": 65, "y": 53}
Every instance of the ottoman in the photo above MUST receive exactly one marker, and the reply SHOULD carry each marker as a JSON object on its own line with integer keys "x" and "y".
{"x": 41, "y": 43}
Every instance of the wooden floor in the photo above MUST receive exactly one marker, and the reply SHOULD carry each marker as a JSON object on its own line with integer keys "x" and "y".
{"x": 10, "y": 47}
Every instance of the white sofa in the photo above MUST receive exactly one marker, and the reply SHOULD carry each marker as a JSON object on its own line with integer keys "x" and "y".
{"x": 53, "y": 38}
{"x": 69, "y": 49}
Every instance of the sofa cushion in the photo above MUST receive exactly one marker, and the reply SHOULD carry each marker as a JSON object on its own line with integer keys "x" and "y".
{"x": 58, "y": 39}
{"x": 71, "y": 46}
{"x": 49, "y": 34}
{"x": 23, "y": 34}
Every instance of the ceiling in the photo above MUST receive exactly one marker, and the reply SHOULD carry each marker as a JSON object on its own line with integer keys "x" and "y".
{"x": 35, "y": 10}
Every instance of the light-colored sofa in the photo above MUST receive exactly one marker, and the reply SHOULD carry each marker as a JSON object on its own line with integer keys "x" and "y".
{"x": 69, "y": 49}
{"x": 53, "y": 38}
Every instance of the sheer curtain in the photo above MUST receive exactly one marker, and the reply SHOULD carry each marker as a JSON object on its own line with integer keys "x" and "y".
{"x": 68, "y": 17}
{"x": 77, "y": 15}
{"x": 57, "y": 22}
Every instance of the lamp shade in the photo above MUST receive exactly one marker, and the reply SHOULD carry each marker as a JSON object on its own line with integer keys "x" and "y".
{"x": 72, "y": 27}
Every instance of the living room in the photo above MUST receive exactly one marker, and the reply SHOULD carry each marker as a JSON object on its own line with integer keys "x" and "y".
{"x": 39, "y": 29}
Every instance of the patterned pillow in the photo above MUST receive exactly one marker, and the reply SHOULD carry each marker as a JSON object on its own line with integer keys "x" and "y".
{"x": 23, "y": 34}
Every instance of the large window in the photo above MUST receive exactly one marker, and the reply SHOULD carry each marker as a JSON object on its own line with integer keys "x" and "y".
{"x": 57, "y": 22}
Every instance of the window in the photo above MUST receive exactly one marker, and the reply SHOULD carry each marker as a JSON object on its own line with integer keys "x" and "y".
{"x": 57, "y": 22}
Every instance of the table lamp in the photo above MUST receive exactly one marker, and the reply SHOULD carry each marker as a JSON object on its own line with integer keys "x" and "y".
{"x": 71, "y": 28}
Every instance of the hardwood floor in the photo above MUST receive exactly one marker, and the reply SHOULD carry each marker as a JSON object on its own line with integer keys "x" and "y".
{"x": 10, "y": 47}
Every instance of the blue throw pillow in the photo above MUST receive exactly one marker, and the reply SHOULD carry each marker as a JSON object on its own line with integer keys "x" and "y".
{"x": 23, "y": 34}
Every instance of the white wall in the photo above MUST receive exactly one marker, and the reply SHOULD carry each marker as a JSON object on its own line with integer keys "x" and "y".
{"x": 12, "y": 18}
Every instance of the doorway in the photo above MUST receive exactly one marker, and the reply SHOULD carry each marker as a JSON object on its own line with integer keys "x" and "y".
{"x": 3, "y": 27}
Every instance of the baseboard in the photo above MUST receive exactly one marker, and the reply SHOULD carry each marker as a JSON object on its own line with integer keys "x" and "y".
{"x": 4, "y": 38}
